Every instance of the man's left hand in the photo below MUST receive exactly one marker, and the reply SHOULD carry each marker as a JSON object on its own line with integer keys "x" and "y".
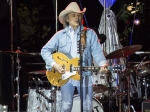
{"x": 104, "y": 69}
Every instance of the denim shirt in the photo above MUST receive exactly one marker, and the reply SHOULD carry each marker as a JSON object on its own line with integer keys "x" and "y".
{"x": 61, "y": 42}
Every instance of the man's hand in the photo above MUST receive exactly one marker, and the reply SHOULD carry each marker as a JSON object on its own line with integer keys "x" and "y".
{"x": 59, "y": 68}
{"x": 104, "y": 69}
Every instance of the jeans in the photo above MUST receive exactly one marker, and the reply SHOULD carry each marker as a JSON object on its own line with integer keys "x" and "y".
{"x": 67, "y": 93}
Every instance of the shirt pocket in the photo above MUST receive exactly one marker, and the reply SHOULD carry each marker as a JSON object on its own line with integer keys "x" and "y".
{"x": 63, "y": 46}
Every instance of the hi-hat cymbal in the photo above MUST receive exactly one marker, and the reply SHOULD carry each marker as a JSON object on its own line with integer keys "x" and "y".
{"x": 124, "y": 52}
{"x": 143, "y": 68}
{"x": 41, "y": 72}
{"x": 19, "y": 53}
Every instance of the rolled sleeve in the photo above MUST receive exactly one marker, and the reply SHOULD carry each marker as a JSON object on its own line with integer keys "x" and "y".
{"x": 102, "y": 63}
{"x": 47, "y": 50}
{"x": 97, "y": 51}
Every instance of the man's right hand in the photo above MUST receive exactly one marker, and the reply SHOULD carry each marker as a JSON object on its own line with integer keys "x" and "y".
{"x": 59, "y": 68}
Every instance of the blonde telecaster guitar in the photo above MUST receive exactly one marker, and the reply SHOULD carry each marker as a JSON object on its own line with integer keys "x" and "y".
{"x": 71, "y": 70}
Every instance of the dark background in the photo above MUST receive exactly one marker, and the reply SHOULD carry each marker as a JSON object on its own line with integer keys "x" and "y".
{"x": 141, "y": 35}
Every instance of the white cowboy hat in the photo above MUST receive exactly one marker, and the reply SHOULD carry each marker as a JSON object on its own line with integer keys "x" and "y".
{"x": 72, "y": 7}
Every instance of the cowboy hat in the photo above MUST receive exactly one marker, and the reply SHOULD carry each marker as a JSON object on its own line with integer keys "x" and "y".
{"x": 72, "y": 7}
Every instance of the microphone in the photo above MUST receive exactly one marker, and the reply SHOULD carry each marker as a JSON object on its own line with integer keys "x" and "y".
{"x": 80, "y": 21}
{"x": 38, "y": 79}
{"x": 142, "y": 52}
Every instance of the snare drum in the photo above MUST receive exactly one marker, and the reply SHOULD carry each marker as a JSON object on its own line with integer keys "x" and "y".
{"x": 97, "y": 106}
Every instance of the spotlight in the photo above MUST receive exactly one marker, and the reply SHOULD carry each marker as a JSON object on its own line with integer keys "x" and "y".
{"x": 130, "y": 7}
{"x": 138, "y": 3}
{"x": 136, "y": 21}
{"x": 134, "y": 11}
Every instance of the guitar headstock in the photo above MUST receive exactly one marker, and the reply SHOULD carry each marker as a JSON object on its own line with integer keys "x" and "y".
{"x": 116, "y": 68}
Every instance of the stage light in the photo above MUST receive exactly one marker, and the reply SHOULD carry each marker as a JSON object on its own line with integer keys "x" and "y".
{"x": 136, "y": 21}
{"x": 134, "y": 11}
{"x": 130, "y": 6}
{"x": 138, "y": 3}
{"x": 3, "y": 108}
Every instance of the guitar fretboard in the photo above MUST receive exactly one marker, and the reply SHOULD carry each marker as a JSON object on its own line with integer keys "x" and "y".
{"x": 86, "y": 68}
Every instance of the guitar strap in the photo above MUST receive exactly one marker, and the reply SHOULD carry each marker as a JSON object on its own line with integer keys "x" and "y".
{"x": 83, "y": 37}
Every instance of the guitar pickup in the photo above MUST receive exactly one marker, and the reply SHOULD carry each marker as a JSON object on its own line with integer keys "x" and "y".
{"x": 71, "y": 68}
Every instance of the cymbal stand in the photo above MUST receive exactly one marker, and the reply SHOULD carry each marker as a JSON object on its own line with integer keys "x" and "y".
{"x": 138, "y": 86}
{"x": 127, "y": 74}
{"x": 145, "y": 86}
{"x": 138, "y": 78}
{"x": 119, "y": 96}
{"x": 128, "y": 92}
{"x": 53, "y": 92}
{"x": 17, "y": 79}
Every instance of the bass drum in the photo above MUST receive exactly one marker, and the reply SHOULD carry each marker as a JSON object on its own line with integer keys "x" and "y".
{"x": 97, "y": 106}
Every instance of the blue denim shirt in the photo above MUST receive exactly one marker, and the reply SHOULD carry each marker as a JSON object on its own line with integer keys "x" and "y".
{"x": 61, "y": 41}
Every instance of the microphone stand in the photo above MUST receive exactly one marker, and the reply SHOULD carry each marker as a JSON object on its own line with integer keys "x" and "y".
{"x": 80, "y": 71}
{"x": 17, "y": 79}
{"x": 10, "y": 2}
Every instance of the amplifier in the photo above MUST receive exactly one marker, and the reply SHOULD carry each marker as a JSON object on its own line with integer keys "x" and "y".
{"x": 146, "y": 107}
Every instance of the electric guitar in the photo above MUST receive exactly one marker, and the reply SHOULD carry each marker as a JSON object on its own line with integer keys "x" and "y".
{"x": 71, "y": 70}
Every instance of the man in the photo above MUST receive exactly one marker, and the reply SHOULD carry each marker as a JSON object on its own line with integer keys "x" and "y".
{"x": 65, "y": 41}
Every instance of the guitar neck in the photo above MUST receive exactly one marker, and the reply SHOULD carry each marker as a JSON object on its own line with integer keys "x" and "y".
{"x": 92, "y": 68}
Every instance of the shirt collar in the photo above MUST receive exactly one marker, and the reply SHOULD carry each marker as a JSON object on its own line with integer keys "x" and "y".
{"x": 68, "y": 29}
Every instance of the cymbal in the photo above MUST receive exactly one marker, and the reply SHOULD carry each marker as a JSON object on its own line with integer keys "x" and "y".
{"x": 124, "y": 52}
{"x": 41, "y": 72}
{"x": 19, "y": 53}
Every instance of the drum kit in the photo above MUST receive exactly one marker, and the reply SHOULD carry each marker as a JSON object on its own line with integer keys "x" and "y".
{"x": 105, "y": 87}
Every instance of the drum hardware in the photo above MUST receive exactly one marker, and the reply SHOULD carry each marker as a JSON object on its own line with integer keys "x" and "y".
{"x": 51, "y": 99}
{"x": 36, "y": 101}
{"x": 35, "y": 63}
{"x": 138, "y": 77}
{"x": 42, "y": 94}
{"x": 146, "y": 85}
{"x": 39, "y": 92}
{"x": 144, "y": 69}
{"x": 19, "y": 53}
{"x": 17, "y": 79}
{"x": 97, "y": 106}
{"x": 100, "y": 82}
{"x": 142, "y": 52}
{"x": 39, "y": 72}
{"x": 118, "y": 96}
{"x": 129, "y": 86}
{"x": 124, "y": 52}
